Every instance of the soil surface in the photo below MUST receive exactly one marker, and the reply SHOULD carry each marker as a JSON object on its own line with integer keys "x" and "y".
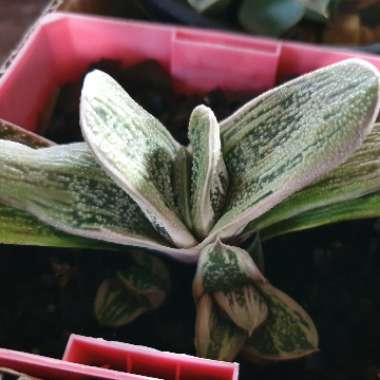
{"x": 334, "y": 271}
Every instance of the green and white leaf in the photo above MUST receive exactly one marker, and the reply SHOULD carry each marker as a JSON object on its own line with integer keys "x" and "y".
{"x": 361, "y": 208}
{"x": 288, "y": 333}
{"x": 357, "y": 177}
{"x": 18, "y": 227}
{"x": 64, "y": 187}
{"x": 229, "y": 275}
{"x": 136, "y": 150}
{"x": 287, "y": 138}
{"x": 141, "y": 287}
{"x": 209, "y": 181}
{"x": 216, "y": 337}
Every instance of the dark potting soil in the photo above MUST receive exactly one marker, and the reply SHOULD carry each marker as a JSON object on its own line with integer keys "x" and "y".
{"x": 334, "y": 271}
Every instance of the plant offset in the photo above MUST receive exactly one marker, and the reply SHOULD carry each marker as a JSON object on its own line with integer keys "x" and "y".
{"x": 301, "y": 155}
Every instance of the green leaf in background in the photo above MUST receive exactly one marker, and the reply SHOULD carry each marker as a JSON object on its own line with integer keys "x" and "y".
{"x": 270, "y": 17}
{"x": 287, "y": 333}
{"x": 361, "y": 208}
{"x": 209, "y": 180}
{"x": 321, "y": 7}
{"x": 141, "y": 287}
{"x": 290, "y": 136}
{"x": 216, "y": 337}
{"x": 136, "y": 150}
{"x": 357, "y": 177}
{"x": 209, "y": 6}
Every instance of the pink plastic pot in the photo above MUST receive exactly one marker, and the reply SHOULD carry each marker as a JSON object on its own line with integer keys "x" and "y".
{"x": 145, "y": 361}
{"x": 90, "y": 358}
{"x": 64, "y": 45}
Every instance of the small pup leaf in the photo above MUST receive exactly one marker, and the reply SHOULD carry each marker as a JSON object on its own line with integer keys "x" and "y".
{"x": 141, "y": 287}
{"x": 216, "y": 337}
{"x": 209, "y": 174}
{"x": 288, "y": 332}
{"x": 290, "y": 136}
{"x": 136, "y": 150}
{"x": 228, "y": 275}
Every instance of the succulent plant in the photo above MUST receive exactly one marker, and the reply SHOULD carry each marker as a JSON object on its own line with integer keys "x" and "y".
{"x": 300, "y": 155}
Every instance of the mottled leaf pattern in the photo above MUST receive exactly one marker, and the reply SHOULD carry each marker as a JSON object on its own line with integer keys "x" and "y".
{"x": 357, "y": 177}
{"x": 141, "y": 287}
{"x": 228, "y": 275}
{"x": 209, "y": 182}
{"x": 216, "y": 337}
{"x": 290, "y": 136}
{"x": 64, "y": 187}
{"x": 136, "y": 150}
{"x": 288, "y": 333}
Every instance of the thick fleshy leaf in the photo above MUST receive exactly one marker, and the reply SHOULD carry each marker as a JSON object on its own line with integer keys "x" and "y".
{"x": 357, "y": 177}
{"x": 136, "y": 150}
{"x": 18, "y": 227}
{"x": 141, "y": 287}
{"x": 228, "y": 274}
{"x": 288, "y": 333}
{"x": 270, "y": 17}
{"x": 209, "y": 181}
{"x": 216, "y": 337}
{"x": 182, "y": 184}
{"x": 292, "y": 135}
{"x": 245, "y": 306}
{"x": 21, "y": 228}
{"x": 361, "y": 208}
{"x": 64, "y": 187}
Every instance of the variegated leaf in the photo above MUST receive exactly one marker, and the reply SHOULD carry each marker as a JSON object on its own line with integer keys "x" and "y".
{"x": 245, "y": 306}
{"x": 228, "y": 274}
{"x": 292, "y": 135}
{"x": 288, "y": 333}
{"x": 216, "y": 337}
{"x": 21, "y": 228}
{"x": 357, "y": 177}
{"x": 141, "y": 287}
{"x": 65, "y": 188}
{"x": 18, "y": 227}
{"x": 209, "y": 181}
{"x": 136, "y": 150}
{"x": 361, "y": 208}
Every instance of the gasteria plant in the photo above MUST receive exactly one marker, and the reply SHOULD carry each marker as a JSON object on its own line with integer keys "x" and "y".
{"x": 302, "y": 154}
